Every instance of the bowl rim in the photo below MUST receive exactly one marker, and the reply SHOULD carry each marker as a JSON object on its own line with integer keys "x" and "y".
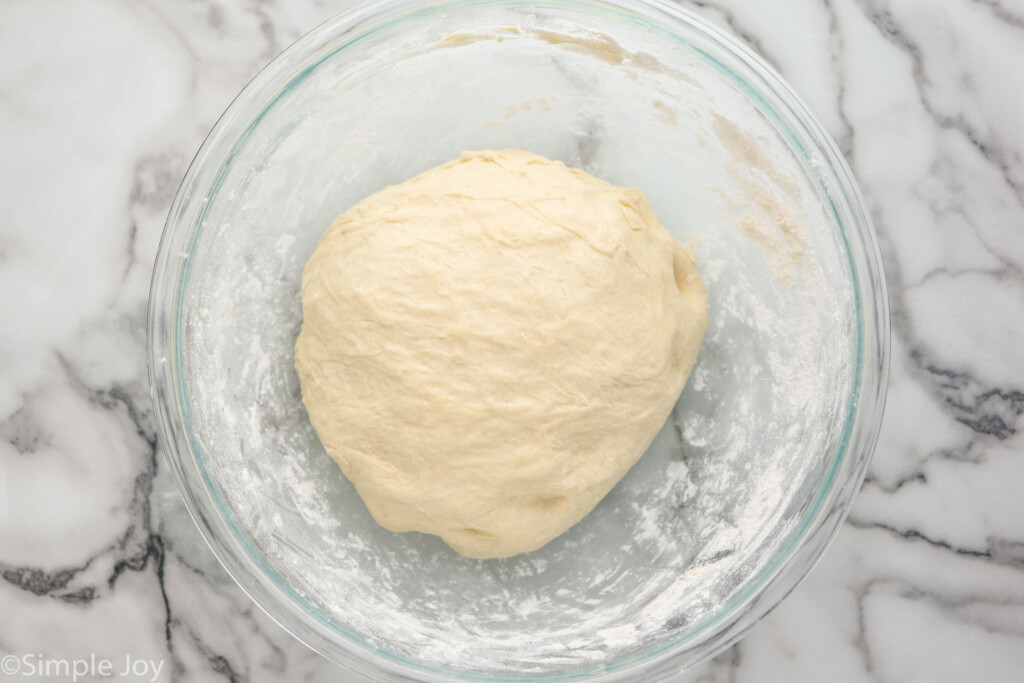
{"x": 806, "y": 542}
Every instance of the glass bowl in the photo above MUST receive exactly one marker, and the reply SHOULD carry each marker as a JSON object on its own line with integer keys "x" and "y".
{"x": 746, "y": 483}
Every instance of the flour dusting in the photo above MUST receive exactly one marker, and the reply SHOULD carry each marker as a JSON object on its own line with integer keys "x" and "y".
{"x": 725, "y": 481}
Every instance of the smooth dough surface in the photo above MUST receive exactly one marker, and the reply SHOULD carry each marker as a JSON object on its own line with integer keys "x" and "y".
{"x": 487, "y": 348}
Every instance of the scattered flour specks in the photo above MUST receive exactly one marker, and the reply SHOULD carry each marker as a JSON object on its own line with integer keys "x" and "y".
{"x": 710, "y": 499}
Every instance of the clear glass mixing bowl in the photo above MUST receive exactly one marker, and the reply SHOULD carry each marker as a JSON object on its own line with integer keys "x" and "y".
{"x": 752, "y": 474}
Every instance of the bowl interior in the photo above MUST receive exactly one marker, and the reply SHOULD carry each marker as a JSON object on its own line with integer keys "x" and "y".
{"x": 753, "y": 448}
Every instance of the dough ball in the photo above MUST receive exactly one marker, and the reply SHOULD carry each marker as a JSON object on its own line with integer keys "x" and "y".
{"x": 487, "y": 348}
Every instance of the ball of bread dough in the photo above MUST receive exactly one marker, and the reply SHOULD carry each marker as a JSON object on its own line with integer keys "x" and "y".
{"x": 487, "y": 348}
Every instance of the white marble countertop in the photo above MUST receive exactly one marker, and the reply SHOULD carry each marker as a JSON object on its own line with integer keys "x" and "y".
{"x": 103, "y": 104}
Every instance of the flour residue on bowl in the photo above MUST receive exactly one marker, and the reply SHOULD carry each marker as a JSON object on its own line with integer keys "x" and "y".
{"x": 765, "y": 200}
{"x": 728, "y": 477}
